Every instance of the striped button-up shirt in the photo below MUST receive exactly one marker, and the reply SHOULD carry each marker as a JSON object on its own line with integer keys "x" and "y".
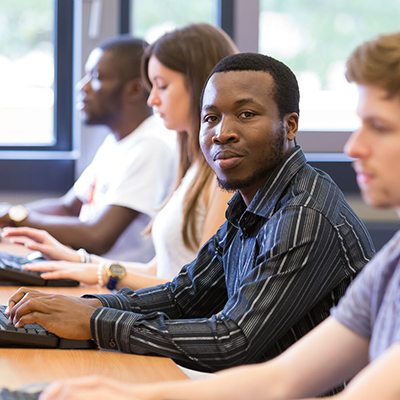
{"x": 268, "y": 276}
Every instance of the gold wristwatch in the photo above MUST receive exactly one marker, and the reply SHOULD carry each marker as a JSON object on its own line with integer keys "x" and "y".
{"x": 116, "y": 272}
{"x": 17, "y": 214}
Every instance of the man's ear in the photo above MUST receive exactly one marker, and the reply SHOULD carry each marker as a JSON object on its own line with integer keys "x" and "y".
{"x": 291, "y": 125}
{"x": 133, "y": 89}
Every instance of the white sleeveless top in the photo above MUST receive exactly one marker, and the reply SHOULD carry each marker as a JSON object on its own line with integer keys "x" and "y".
{"x": 166, "y": 231}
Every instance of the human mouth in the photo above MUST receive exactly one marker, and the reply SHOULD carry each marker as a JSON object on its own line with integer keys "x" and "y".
{"x": 227, "y": 159}
{"x": 157, "y": 112}
{"x": 81, "y": 104}
{"x": 364, "y": 177}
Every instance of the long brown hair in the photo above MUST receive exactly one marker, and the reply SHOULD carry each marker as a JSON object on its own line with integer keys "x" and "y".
{"x": 192, "y": 50}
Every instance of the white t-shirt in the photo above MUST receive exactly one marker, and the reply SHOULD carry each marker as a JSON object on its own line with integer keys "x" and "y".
{"x": 172, "y": 254}
{"x": 135, "y": 172}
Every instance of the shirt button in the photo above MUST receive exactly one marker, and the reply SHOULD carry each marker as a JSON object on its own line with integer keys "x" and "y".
{"x": 112, "y": 343}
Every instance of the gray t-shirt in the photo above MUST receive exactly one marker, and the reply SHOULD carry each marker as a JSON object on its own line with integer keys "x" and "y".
{"x": 371, "y": 305}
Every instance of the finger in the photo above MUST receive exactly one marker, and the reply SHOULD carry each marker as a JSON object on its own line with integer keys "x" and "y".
{"x": 46, "y": 250}
{"x": 16, "y": 297}
{"x": 31, "y": 307}
{"x": 60, "y": 274}
{"x": 29, "y": 295}
{"x": 52, "y": 392}
{"x": 70, "y": 388}
{"x": 32, "y": 245}
{"x": 22, "y": 240}
{"x": 31, "y": 318}
{"x": 41, "y": 266}
{"x": 24, "y": 231}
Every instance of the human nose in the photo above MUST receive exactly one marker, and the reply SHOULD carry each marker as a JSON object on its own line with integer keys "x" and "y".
{"x": 153, "y": 99}
{"x": 83, "y": 83}
{"x": 225, "y": 132}
{"x": 357, "y": 145}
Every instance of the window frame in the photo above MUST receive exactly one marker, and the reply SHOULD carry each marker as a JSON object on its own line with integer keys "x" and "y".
{"x": 51, "y": 168}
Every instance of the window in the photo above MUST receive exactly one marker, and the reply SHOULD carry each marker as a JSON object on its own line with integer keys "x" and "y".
{"x": 152, "y": 18}
{"x": 315, "y": 38}
{"x": 26, "y": 72}
{"x": 36, "y": 97}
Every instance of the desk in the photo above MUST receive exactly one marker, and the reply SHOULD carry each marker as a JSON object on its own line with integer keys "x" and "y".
{"x": 19, "y": 367}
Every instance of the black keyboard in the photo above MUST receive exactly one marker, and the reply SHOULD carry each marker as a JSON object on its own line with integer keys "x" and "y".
{"x": 34, "y": 335}
{"x": 6, "y": 394}
{"x": 11, "y": 270}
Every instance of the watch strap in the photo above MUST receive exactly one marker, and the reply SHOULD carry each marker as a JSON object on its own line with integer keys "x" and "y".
{"x": 112, "y": 282}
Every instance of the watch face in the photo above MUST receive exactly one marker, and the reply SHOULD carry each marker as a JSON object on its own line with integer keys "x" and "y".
{"x": 18, "y": 213}
{"x": 117, "y": 270}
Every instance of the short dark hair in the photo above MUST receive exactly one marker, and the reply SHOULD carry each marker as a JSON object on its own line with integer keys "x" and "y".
{"x": 128, "y": 52}
{"x": 286, "y": 91}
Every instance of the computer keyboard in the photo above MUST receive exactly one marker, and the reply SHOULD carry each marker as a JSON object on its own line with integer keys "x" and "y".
{"x": 6, "y": 394}
{"x": 11, "y": 270}
{"x": 34, "y": 335}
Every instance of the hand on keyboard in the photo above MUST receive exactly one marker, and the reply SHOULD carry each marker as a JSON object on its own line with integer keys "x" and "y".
{"x": 36, "y": 239}
{"x": 34, "y": 335}
{"x": 65, "y": 316}
{"x": 84, "y": 273}
{"x": 11, "y": 270}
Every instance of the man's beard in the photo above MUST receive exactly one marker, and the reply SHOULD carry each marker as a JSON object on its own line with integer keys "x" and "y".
{"x": 274, "y": 156}
{"x": 103, "y": 114}
{"x": 103, "y": 119}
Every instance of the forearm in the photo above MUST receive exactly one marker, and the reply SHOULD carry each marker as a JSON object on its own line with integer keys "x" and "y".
{"x": 69, "y": 230}
{"x": 53, "y": 206}
{"x": 324, "y": 357}
{"x": 133, "y": 280}
{"x": 201, "y": 344}
{"x": 257, "y": 382}
{"x": 140, "y": 276}
{"x": 139, "y": 281}
{"x": 379, "y": 380}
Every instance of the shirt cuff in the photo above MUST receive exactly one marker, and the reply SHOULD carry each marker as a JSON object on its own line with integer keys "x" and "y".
{"x": 111, "y": 328}
{"x": 116, "y": 301}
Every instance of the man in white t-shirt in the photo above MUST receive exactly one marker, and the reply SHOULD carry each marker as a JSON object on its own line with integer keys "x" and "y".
{"x": 107, "y": 209}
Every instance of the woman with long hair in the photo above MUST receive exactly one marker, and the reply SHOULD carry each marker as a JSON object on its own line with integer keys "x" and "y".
{"x": 174, "y": 69}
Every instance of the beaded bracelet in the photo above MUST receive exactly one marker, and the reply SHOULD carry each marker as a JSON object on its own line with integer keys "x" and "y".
{"x": 100, "y": 270}
{"x": 85, "y": 256}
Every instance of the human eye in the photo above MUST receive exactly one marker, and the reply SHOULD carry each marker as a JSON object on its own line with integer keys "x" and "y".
{"x": 160, "y": 84}
{"x": 247, "y": 114}
{"x": 379, "y": 127}
{"x": 210, "y": 119}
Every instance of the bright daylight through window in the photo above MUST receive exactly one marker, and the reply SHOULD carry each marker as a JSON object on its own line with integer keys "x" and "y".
{"x": 26, "y": 72}
{"x": 152, "y": 18}
{"x": 315, "y": 38}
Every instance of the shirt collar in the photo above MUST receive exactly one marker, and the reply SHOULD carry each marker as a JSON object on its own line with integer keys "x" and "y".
{"x": 268, "y": 195}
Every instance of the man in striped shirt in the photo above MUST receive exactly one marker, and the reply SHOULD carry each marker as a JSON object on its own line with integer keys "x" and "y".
{"x": 285, "y": 255}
